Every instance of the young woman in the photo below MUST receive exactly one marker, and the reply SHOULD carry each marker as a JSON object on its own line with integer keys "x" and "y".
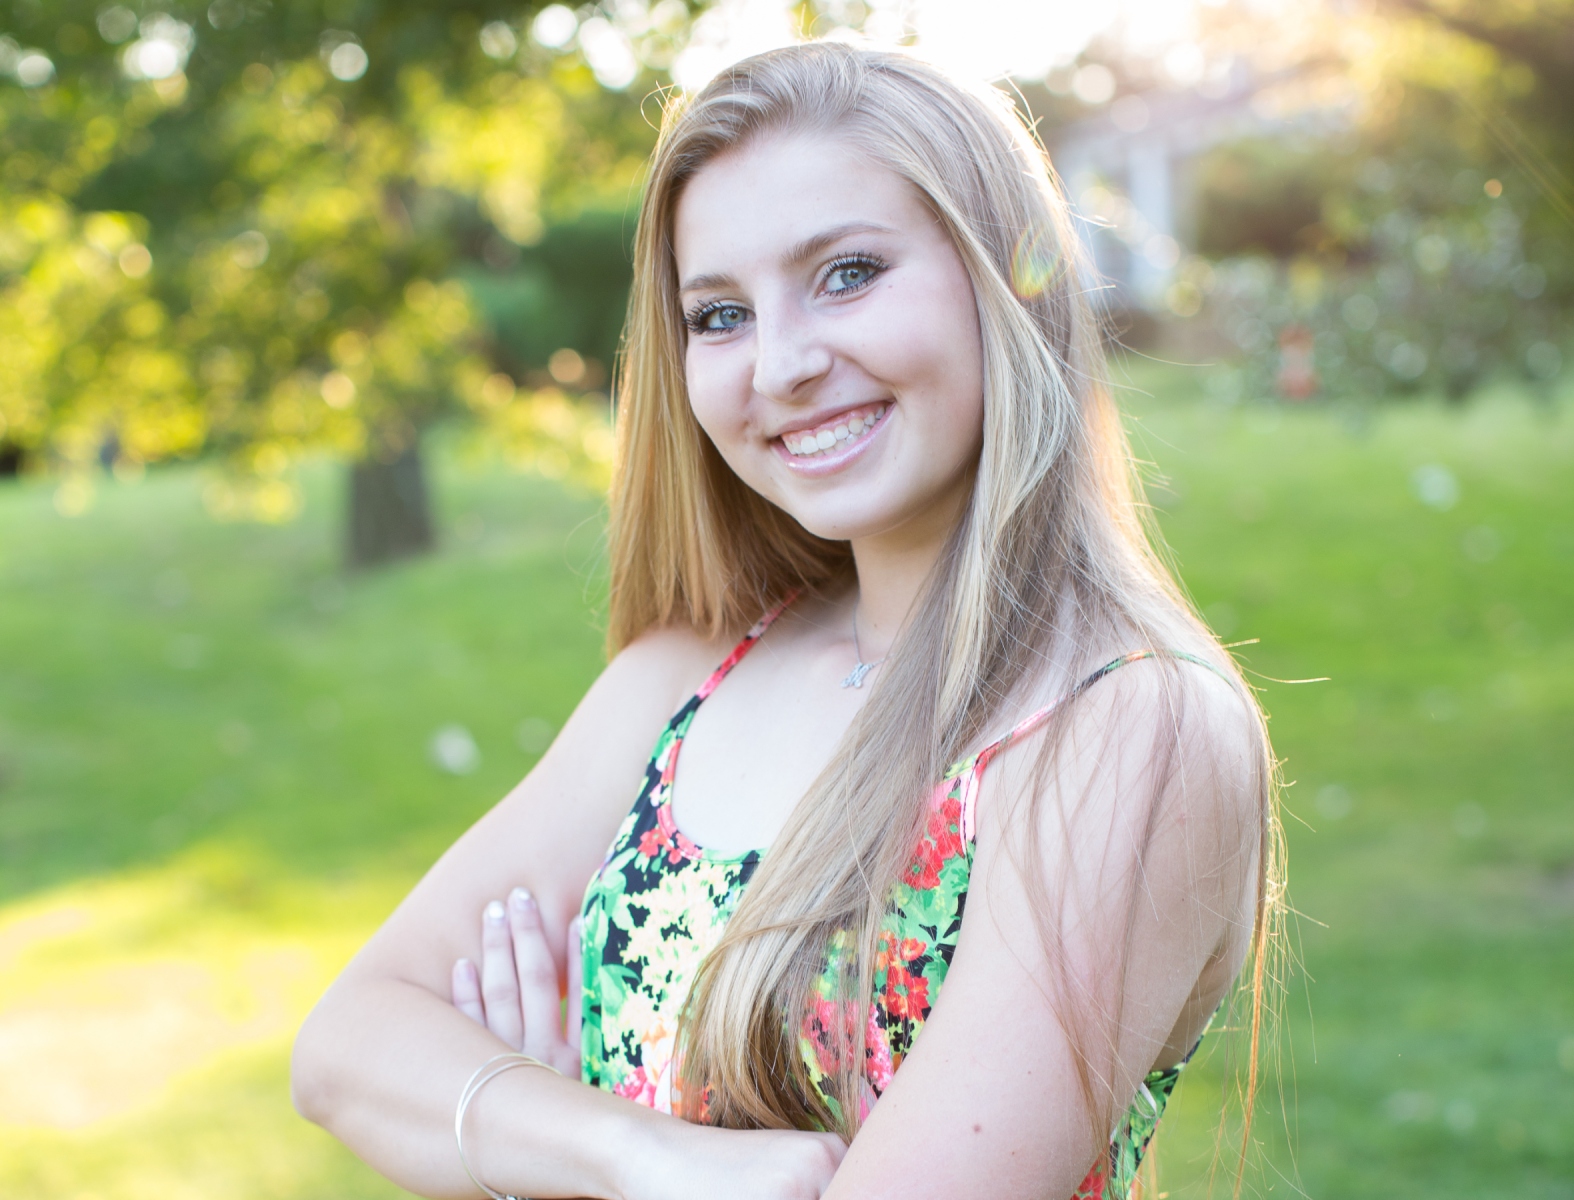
{"x": 971, "y": 831}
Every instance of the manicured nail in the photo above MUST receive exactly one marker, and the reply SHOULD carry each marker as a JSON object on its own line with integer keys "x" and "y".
{"x": 494, "y": 912}
{"x": 520, "y": 899}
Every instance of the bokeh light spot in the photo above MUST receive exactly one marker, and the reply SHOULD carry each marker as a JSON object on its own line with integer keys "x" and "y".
{"x": 554, "y": 26}
{"x": 348, "y": 62}
{"x": 498, "y": 40}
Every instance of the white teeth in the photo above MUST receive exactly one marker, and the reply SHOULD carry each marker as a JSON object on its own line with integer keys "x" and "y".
{"x": 814, "y": 443}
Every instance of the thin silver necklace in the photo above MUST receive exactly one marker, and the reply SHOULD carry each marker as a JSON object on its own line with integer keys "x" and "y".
{"x": 855, "y": 677}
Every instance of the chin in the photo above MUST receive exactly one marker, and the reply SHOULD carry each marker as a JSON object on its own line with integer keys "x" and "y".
{"x": 842, "y": 524}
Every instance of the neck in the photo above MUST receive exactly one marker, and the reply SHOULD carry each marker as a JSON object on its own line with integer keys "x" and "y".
{"x": 892, "y": 570}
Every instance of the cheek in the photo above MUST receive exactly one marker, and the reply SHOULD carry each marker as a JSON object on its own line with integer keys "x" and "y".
{"x": 938, "y": 350}
{"x": 714, "y": 398}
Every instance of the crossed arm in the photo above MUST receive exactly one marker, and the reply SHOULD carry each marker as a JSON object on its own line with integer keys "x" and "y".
{"x": 988, "y": 1103}
{"x": 382, "y": 1059}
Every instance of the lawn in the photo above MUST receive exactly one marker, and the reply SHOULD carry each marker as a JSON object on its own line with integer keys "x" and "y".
{"x": 217, "y": 774}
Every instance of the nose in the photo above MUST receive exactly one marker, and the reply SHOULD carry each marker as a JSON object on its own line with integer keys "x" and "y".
{"x": 789, "y": 354}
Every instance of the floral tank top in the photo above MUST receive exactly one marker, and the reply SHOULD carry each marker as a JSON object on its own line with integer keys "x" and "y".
{"x": 660, "y": 902}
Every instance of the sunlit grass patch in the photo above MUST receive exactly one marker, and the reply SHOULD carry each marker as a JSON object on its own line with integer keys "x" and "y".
{"x": 145, "y": 1023}
{"x": 226, "y": 1129}
{"x": 1422, "y": 557}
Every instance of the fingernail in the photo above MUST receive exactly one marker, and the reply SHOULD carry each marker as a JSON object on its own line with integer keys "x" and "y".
{"x": 520, "y": 899}
{"x": 494, "y": 912}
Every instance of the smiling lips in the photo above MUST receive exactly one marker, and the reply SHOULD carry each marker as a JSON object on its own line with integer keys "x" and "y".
{"x": 835, "y": 434}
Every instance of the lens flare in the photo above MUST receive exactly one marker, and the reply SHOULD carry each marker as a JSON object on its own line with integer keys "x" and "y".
{"x": 1036, "y": 264}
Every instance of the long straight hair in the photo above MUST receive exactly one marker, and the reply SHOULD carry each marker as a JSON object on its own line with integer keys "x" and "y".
{"x": 1052, "y": 562}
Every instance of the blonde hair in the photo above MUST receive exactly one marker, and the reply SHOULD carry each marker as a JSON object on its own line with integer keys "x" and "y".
{"x": 1052, "y": 552}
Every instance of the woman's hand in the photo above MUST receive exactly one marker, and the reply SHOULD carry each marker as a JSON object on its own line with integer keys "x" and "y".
{"x": 515, "y": 992}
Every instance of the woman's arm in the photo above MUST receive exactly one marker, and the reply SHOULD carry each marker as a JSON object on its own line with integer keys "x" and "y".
{"x": 989, "y": 1102}
{"x": 381, "y": 1060}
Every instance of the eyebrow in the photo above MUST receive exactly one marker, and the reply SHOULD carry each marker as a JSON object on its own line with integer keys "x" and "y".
{"x": 795, "y": 257}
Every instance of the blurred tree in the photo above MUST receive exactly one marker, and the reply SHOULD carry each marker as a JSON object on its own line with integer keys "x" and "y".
{"x": 237, "y": 226}
{"x": 1263, "y": 196}
{"x": 1429, "y": 244}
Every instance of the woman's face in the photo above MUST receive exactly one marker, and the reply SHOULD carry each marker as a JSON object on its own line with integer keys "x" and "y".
{"x": 834, "y": 355}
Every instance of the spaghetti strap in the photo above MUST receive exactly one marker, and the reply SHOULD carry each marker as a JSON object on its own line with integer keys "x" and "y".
{"x": 743, "y": 647}
{"x": 973, "y": 768}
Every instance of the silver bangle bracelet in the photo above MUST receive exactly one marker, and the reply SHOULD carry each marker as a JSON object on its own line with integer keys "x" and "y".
{"x": 483, "y": 1075}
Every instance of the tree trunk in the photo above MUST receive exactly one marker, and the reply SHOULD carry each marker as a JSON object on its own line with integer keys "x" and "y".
{"x": 390, "y": 516}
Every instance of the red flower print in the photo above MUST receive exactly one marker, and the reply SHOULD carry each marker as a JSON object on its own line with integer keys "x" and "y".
{"x": 923, "y": 872}
{"x": 639, "y": 1086}
{"x": 830, "y": 1028}
{"x": 1092, "y": 1187}
{"x": 906, "y": 994}
{"x": 945, "y": 823}
{"x": 911, "y": 948}
{"x": 877, "y": 1054}
{"x": 651, "y": 842}
{"x": 697, "y": 1112}
{"x": 885, "y": 955}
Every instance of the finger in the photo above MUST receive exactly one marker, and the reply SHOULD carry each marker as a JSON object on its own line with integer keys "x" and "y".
{"x": 466, "y": 988}
{"x": 499, "y": 981}
{"x": 538, "y": 994}
{"x": 576, "y": 983}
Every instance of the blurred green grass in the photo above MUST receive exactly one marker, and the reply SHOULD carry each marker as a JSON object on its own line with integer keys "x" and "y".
{"x": 211, "y": 740}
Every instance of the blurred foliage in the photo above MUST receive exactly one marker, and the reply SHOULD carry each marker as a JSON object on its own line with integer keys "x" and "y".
{"x": 1430, "y": 244}
{"x": 1260, "y": 196}
{"x": 1436, "y": 305}
{"x": 570, "y": 288}
{"x": 242, "y": 226}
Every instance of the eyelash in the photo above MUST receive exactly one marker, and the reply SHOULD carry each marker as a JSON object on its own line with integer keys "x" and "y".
{"x": 856, "y": 260}
{"x": 694, "y": 319}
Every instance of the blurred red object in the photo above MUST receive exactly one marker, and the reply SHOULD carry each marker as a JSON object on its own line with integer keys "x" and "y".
{"x": 1297, "y": 377}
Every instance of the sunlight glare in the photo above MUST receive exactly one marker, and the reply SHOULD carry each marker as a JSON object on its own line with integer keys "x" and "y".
{"x": 978, "y": 39}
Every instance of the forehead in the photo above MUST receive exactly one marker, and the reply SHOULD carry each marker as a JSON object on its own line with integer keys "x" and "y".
{"x": 772, "y": 193}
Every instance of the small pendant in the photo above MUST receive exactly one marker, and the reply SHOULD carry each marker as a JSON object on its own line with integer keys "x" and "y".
{"x": 855, "y": 677}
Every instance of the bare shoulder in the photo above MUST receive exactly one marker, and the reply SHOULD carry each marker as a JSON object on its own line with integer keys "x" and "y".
{"x": 1175, "y": 735}
{"x": 614, "y": 726}
{"x": 658, "y": 669}
{"x": 1194, "y": 697}
{"x": 604, "y": 744}
{"x": 678, "y": 651}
